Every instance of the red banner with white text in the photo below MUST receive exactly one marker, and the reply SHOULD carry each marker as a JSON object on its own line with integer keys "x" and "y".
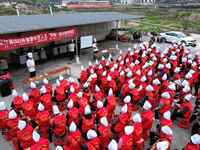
{"x": 10, "y": 42}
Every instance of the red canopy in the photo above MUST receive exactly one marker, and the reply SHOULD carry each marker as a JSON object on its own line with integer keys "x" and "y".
{"x": 10, "y": 42}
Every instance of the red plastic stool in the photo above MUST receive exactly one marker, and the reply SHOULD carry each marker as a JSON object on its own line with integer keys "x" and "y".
{"x": 139, "y": 145}
{"x": 184, "y": 123}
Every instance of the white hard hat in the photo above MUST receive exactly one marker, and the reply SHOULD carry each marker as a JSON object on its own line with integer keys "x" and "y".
{"x": 14, "y": 93}
{"x": 147, "y": 105}
{"x": 104, "y": 121}
{"x": 164, "y": 145}
{"x": 110, "y": 92}
{"x": 195, "y": 139}
{"x": 113, "y": 145}
{"x": 32, "y": 85}
{"x": 91, "y": 134}
{"x": 25, "y": 97}
{"x": 167, "y": 130}
{"x": 167, "y": 115}
{"x": 70, "y": 104}
{"x": 35, "y": 136}
{"x": 137, "y": 118}
{"x": 21, "y": 124}
{"x": 128, "y": 130}
{"x": 2, "y": 106}
{"x": 87, "y": 110}
{"x": 12, "y": 114}
{"x": 127, "y": 99}
{"x": 55, "y": 110}
{"x": 99, "y": 104}
{"x": 72, "y": 127}
{"x": 40, "y": 107}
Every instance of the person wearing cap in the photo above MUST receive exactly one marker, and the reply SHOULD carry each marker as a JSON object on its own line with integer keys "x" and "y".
{"x": 147, "y": 119}
{"x": 111, "y": 84}
{"x": 88, "y": 120}
{"x": 42, "y": 120}
{"x": 98, "y": 94}
{"x": 17, "y": 101}
{"x": 48, "y": 86}
{"x": 58, "y": 122}
{"x": 165, "y": 120}
{"x": 83, "y": 75}
{"x": 101, "y": 110}
{"x": 72, "y": 113}
{"x": 60, "y": 91}
{"x": 34, "y": 92}
{"x": 92, "y": 142}
{"x": 166, "y": 133}
{"x": 46, "y": 99}
{"x": 28, "y": 107}
{"x": 30, "y": 63}
{"x": 111, "y": 103}
{"x": 126, "y": 140}
{"x": 82, "y": 102}
{"x": 3, "y": 115}
{"x": 24, "y": 134}
{"x": 104, "y": 132}
{"x": 11, "y": 126}
{"x": 194, "y": 143}
{"x": 74, "y": 138}
{"x": 39, "y": 142}
{"x": 113, "y": 145}
{"x": 165, "y": 103}
{"x": 122, "y": 119}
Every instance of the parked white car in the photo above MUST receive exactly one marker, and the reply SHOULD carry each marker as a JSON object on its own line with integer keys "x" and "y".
{"x": 177, "y": 37}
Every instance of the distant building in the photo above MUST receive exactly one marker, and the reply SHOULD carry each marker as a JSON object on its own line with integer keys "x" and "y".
{"x": 143, "y": 2}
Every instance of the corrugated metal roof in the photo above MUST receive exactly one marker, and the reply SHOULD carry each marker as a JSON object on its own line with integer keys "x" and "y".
{"x": 16, "y": 24}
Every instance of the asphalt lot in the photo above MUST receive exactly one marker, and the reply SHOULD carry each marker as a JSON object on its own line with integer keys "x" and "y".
{"x": 181, "y": 136}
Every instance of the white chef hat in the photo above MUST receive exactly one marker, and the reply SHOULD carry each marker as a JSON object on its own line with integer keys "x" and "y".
{"x": 70, "y": 104}
{"x": 127, "y": 99}
{"x": 91, "y": 134}
{"x": 2, "y": 106}
{"x": 124, "y": 108}
{"x": 186, "y": 89}
{"x": 100, "y": 66}
{"x": 160, "y": 66}
{"x": 60, "y": 78}
{"x": 164, "y": 77}
{"x": 55, "y": 110}
{"x": 147, "y": 105}
{"x": 97, "y": 89}
{"x": 43, "y": 90}
{"x": 40, "y": 107}
{"x": 165, "y": 95}
{"x": 104, "y": 121}
{"x": 143, "y": 79}
{"x": 99, "y": 104}
{"x": 109, "y": 78}
{"x": 72, "y": 127}
{"x": 59, "y": 148}
{"x": 188, "y": 97}
{"x": 122, "y": 73}
{"x": 131, "y": 85}
{"x": 35, "y": 136}
{"x": 129, "y": 74}
{"x": 164, "y": 145}
{"x": 45, "y": 81}
{"x": 136, "y": 62}
{"x": 25, "y": 97}
{"x": 167, "y": 130}
{"x": 195, "y": 139}
{"x": 137, "y": 118}
{"x": 87, "y": 110}
{"x": 149, "y": 88}
{"x": 172, "y": 86}
{"x": 21, "y": 124}
{"x": 32, "y": 85}
{"x": 185, "y": 83}
{"x": 113, "y": 145}
{"x": 14, "y": 93}
{"x": 168, "y": 65}
{"x": 12, "y": 114}
{"x": 110, "y": 92}
{"x": 138, "y": 72}
{"x": 80, "y": 94}
{"x": 128, "y": 130}
{"x": 156, "y": 82}
{"x": 167, "y": 115}
{"x": 177, "y": 70}
{"x": 150, "y": 73}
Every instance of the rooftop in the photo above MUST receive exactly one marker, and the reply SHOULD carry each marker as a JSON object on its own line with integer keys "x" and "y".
{"x": 17, "y": 24}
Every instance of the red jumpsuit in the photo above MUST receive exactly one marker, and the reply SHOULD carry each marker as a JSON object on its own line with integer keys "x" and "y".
{"x": 35, "y": 95}
{"x": 73, "y": 115}
{"x": 59, "y": 125}
{"x": 111, "y": 104}
{"x": 42, "y": 144}
{"x": 137, "y": 134}
{"x": 126, "y": 142}
{"x": 147, "y": 122}
{"x": 12, "y": 127}
{"x": 123, "y": 119}
{"x": 87, "y": 124}
{"x": 25, "y": 137}
{"x": 93, "y": 144}
{"x": 3, "y": 118}
{"x": 74, "y": 140}
{"x": 191, "y": 146}
{"x": 102, "y": 112}
{"x": 46, "y": 101}
{"x": 17, "y": 103}
{"x": 104, "y": 135}
{"x": 43, "y": 120}
{"x": 29, "y": 109}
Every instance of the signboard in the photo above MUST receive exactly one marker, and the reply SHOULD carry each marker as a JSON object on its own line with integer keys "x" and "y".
{"x": 86, "y": 41}
{"x": 35, "y": 38}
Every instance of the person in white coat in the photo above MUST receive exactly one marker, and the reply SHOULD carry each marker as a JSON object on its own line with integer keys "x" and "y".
{"x": 30, "y": 63}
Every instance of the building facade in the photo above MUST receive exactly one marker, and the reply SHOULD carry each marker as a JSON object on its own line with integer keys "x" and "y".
{"x": 142, "y": 2}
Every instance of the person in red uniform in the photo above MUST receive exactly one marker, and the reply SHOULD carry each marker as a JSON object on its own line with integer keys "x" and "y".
{"x": 147, "y": 119}
{"x": 186, "y": 106}
{"x": 113, "y": 145}
{"x": 104, "y": 132}
{"x": 101, "y": 110}
{"x": 28, "y": 107}
{"x": 166, "y": 133}
{"x": 34, "y": 93}
{"x": 165, "y": 103}
{"x": 123, "y": 119}
{"x": 24, "y": 134}
{"x": 194, "y": 143}
{"x": 126, "y": 140}
{"x": 58, "y": 122}
{"x": 111, "y": 103}
{"x": 93, "y": 142}
{"x": 39, "y": 143}
{"x": 43, "y": 119}
{"x": 74, "y": 138}
{"x": 48, "y": 86}
{"x": 83, "y": 75}
{"x": 60, "y": 90}
{"x": 17, "y": 101}
{"x": 3, "y": 116}
{"x": 73, "y": 113}
{"x": 46, "y": 99}
{"x": 166, "y": 119}
{"x": 87, "y": 120}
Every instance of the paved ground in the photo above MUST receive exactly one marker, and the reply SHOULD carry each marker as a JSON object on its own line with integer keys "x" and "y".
{"x": 180, "y": 136}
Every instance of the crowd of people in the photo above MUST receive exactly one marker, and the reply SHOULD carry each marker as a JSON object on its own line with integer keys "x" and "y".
{"x": 112, "y": 106}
